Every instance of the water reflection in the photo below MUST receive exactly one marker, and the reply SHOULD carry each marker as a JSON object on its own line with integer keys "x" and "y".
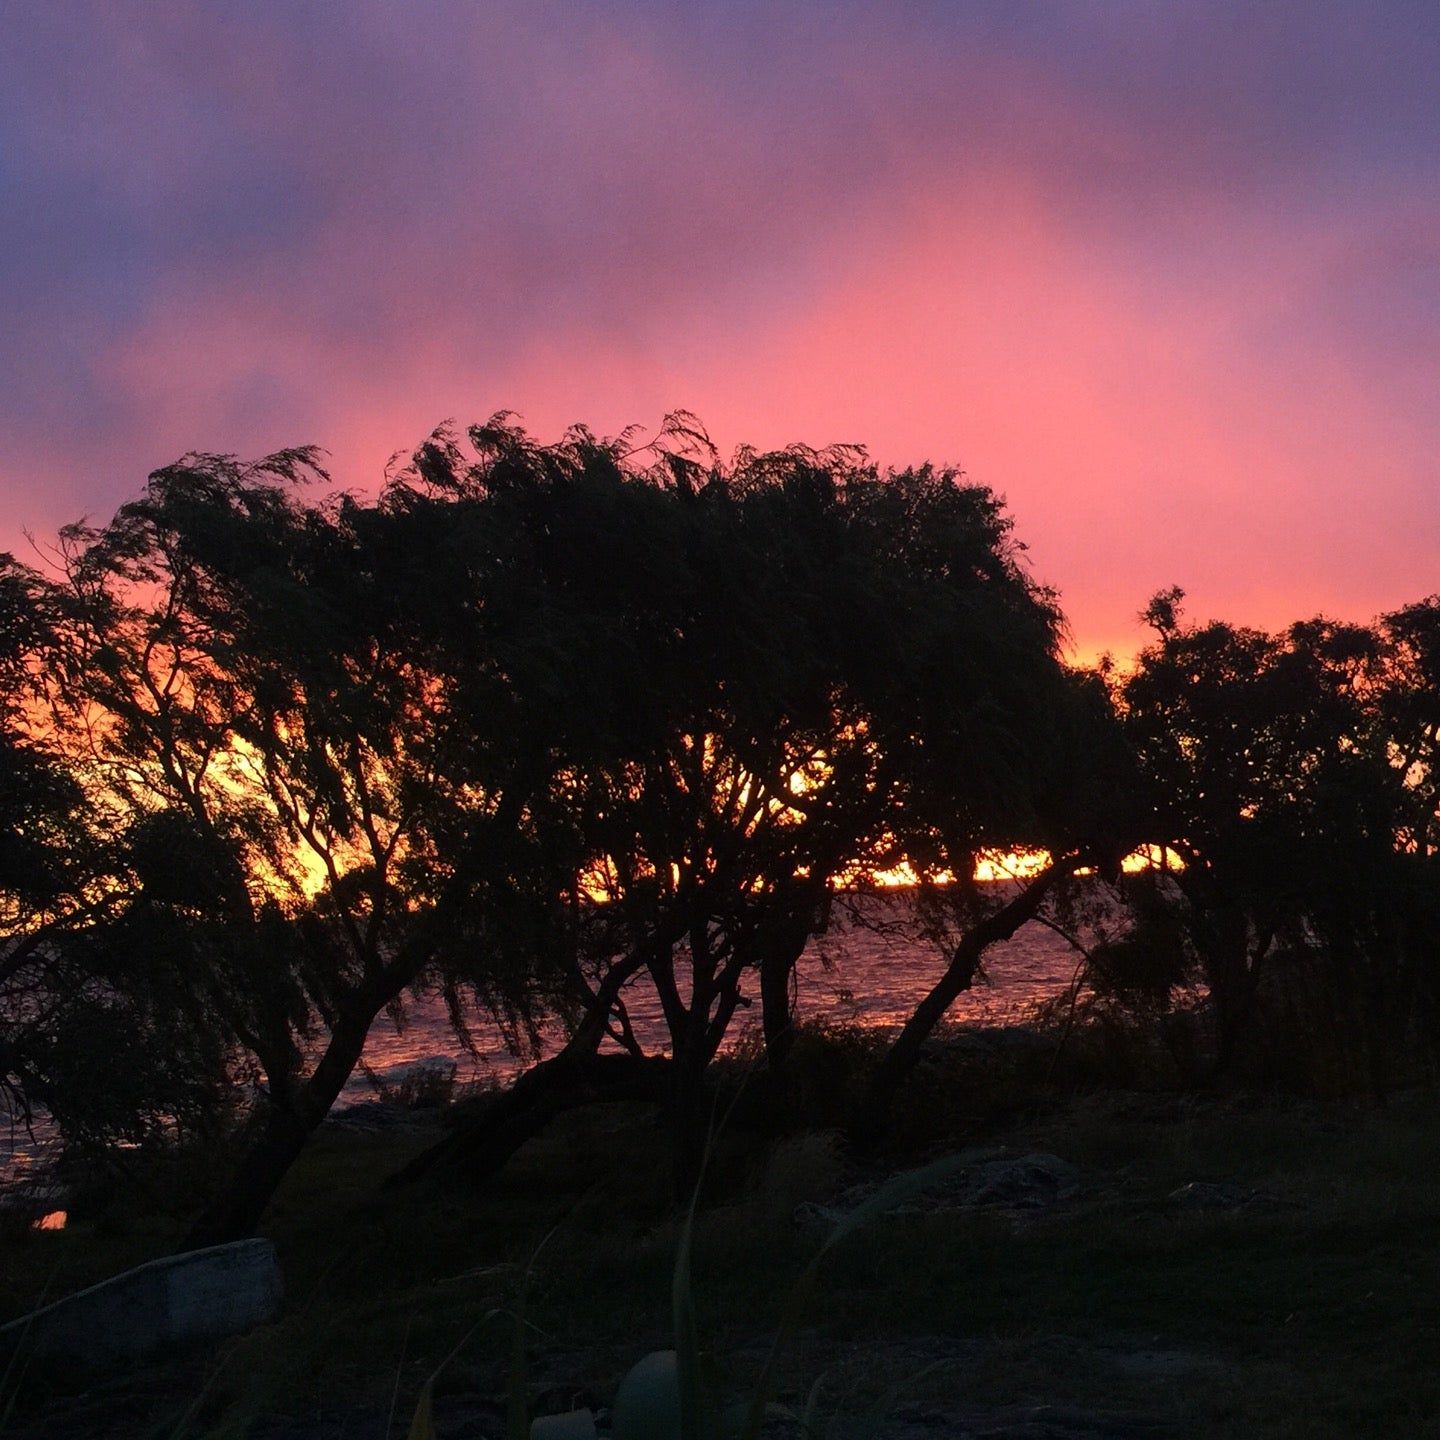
{"x": 867, "y": 974}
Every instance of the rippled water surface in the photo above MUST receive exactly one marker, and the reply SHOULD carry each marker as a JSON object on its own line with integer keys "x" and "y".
{"x": 859, "y": 973}
{"x": 863, "y": 974}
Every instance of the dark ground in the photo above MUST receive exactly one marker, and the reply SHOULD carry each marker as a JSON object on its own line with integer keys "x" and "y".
{"x": 1299, "y": 1295}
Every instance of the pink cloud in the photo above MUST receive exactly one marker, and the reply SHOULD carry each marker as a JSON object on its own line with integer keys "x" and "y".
{"x": 1099, "y": 299}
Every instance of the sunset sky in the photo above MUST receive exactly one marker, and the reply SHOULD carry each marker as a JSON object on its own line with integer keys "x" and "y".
{"x": 1166, "y": 275}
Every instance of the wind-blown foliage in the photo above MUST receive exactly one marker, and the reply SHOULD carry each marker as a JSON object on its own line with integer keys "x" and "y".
{"x": 807, "y": 669}
{"x": 542, "y": 725}
{"x": 309, "y": 831}
{"x": 1289, "y": 775}
{"x": 539, "y": 724}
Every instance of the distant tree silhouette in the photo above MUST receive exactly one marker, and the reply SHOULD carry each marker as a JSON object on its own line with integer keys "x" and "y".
{"x": 1408, "y": 700}
{"x": 1285, "y": 772}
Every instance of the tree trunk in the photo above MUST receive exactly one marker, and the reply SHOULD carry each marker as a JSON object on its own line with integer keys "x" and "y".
{"x": 575, "y": 1075}
{"x": 1233, "y": 969}
{"x": 549, "y": 1089}
{"x": 777, "y": 966}
{"x": 283, "y": 1135}
{"x": 688, "y": 1131}
{"x": 872, "y": 1117}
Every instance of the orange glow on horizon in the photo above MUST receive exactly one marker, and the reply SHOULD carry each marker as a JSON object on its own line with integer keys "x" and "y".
{"x": 1019, "y": 865}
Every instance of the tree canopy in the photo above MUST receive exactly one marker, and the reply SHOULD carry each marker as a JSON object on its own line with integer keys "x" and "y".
{"x": 1289, "y": 774}
{"x": 538, "y": 728}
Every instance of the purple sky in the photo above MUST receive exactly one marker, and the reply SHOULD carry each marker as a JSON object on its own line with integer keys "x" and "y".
{"x": 1166, "y": 275}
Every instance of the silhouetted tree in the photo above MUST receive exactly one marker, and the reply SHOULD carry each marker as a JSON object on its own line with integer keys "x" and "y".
{"x": 1408, "y": 698}
{"x": 310, "y": 829}
{"x": 808, "y": 668}
{"x": 541, "y": 724}
{"x": 1284, "y": 771}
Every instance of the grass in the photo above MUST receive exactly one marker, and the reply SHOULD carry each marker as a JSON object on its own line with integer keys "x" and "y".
{"x": 1317, "y": 1317}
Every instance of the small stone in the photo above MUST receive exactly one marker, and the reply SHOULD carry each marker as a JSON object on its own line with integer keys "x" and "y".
{"x": 1029, "y": 1181}
{"x": 1213, "y": 1195}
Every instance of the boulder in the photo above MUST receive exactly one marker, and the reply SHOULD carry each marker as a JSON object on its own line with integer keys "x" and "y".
{"x": 1026, "y": 1182}
{"x": 1221, "y": 1196}
{"x": 998, "y": 1181}
{"x": 178, "y": 1301}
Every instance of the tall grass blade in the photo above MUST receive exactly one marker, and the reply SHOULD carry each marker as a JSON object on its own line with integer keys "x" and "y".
{"x": 517, "y": 1399}
{"x": 894, "y": 1192}
{"x": 422, "y": 1423}
{"x": 697, "y": 1420}
{"x": 22, "y": 1353}
{"x": 687, "y": 1336}
{"x": 399, "y": 1373}
{"x": 810, "y": 1416}
{"x": 182, "y": 1426}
